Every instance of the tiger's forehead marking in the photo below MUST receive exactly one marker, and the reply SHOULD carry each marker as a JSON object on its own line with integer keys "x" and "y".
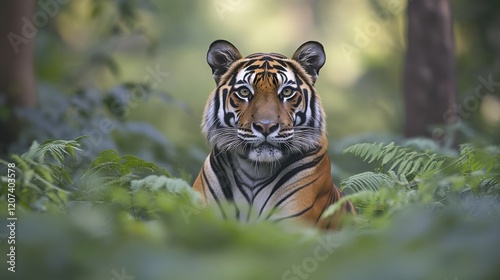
{"x": 266, "y": 65}
{"x": 267, "y": 55}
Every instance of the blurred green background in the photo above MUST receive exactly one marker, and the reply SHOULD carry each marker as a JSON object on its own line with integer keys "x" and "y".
{"x": 99, "y": 45}
{"x": 92, "y": 59}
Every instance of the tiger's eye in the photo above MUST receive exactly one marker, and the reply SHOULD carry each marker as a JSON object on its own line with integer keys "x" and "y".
{"x": 244, "y": 92}
{"x": 287, "y": 92}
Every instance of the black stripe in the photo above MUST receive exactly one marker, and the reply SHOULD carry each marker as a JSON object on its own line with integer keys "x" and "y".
{"x": 238, "y": 182}
{"x": 242, "y": 170}
{"x": 227, "y": 119}
{"x": 303, "y": 76}
{"x": 298, "y": 80}
{"x": 224, "y": 182}
{"x": 299, "y": 99}
{"x": 281, "y": 62}
{"x": 292, "y": 159}
{"x": 232, "y": 103}
{"x": 232, "y": 82}
{"x": 274, "y": 80}
{"x": 260, "y": 56}
{"x": 224, "y": 93}
{"x": 333, "y": 215}
{"x": 246, "y": 77}
{"x": 279, "y": 68}
{"x": 324, "y": 208}
{"x": 296, "y": 214}
{"x": 312, "y": 107}
{"x": 290, "y": 194}
{"x": 250, "y": 62}
{"x": 236, "y": 68}
{"x": 347, "y": 206}
{"x": 217, "y": 106}
{"x": 252, "y": 67}
{"x": 240, "y": 188}
{"x": 302, "y": 116}
{"x": 289, "y": 175}
{"x": 283, "y": 77}
{"x": 307, "y": 106}
{"x": 294, "y": 191}
{"x": 221, "y": 177}
{"x": 329, "y": 222}
{"x": 213, "y": 195}
{"x": 227, "y": 116}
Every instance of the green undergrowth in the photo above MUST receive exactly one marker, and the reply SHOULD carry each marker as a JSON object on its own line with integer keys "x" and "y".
{"x": 422, "y": 214}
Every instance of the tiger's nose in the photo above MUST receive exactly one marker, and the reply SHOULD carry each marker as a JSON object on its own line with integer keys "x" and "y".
{"x": 265, "y": 127}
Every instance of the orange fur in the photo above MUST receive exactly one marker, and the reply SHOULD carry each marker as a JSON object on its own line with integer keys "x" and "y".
{"x": 266, "y": 125}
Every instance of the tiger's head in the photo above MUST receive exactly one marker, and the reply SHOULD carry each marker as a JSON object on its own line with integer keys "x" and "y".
{"x": 265, "y": 106}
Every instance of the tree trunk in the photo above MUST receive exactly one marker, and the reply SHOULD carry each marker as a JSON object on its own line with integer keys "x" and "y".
{"x": 17, "y": 78}
{"x": 429, "y": 74}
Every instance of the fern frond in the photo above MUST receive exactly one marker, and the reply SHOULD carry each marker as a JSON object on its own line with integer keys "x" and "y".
{"x": 375, "y": 203}
{"x": 42, "y": 177}
{"x": 367, "y": 151}
{"x": 57, "y": 149}
{"x": 490, "y": 186}
{"x": 403, "y": 160}
{"x": 121, "y": 169}
{"x": 361, "y": 195}
{"x": 474, "y": 158}
{"x": 365, "y": 181}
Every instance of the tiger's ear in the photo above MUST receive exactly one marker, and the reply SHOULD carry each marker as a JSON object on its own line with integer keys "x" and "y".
{"x": 311, "y": 56}
{"x": 221, "y": 54}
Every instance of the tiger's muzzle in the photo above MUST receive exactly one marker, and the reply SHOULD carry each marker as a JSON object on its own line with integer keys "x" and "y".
{"x": 267, "y": 142}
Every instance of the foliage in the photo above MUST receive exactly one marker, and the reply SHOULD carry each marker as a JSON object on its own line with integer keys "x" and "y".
{"x": 407, "y": 161}
{"x": 133, "y": 184}
{"x": 43, "y": 176}
{"x": 127, "y": 217}
{"x": 88, "y": 211}
{"x": 406, "y": 176}
{"x": 94, "y": 97}
{"x": 103, "y": 116}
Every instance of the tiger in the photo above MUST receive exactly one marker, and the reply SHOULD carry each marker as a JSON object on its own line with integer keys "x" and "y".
{"x": 266, "y": 128}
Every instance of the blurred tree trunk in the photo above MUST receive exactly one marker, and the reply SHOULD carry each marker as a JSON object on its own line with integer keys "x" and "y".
{"x": 17, "y": 78}
{"x": 429, "y": 74}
